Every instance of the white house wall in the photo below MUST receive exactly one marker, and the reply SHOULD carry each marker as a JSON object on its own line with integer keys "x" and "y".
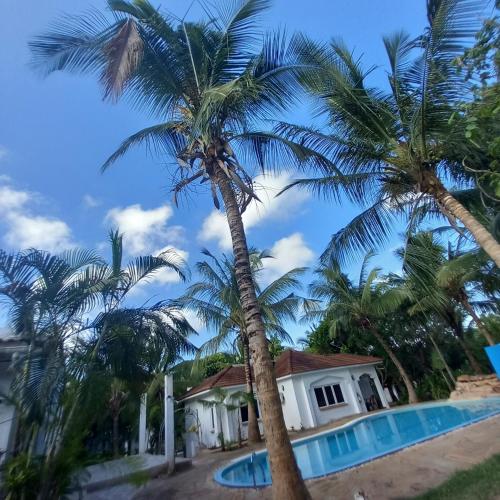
{"x": 6, "y": 411}
{"x": 300, "y": 408}
{"x": 325, "y": 377}
{"x": 208, "y": 434}
{"x": 290, "y": 404}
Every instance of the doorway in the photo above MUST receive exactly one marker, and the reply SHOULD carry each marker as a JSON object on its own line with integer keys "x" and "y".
{"x": 369, "y": 393}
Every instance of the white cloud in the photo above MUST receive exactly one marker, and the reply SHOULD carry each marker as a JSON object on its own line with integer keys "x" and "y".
{"x": 267, "y": 187}
{"x": 25, "y": 230}
{"x": 215, "y": 228}
{"x": 90, "y": 202}
{"x": 39, "y": 232}
{"x": 12, "y": 199}
{"x": 143, "y": 229}
{"x": 289, "y": 252}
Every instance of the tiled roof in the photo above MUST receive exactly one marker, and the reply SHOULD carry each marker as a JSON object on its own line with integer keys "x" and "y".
{"x": 291, "y": 361}
{"x": 288, "y": 362}
{"x": 229, "y": 376}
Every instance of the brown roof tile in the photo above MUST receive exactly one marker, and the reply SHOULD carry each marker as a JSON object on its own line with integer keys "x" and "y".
{"x": 287, "y": 363}
{"x": 291, "y": 361}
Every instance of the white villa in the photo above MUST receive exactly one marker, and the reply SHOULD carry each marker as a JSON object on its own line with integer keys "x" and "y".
{"x": 9, "y": 346}
{"x": 314, "y": 389}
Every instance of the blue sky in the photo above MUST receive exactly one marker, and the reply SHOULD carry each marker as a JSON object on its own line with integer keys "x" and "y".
{"x": 56, "y": 132}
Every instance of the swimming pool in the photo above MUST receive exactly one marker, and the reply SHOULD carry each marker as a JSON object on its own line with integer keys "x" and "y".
{"x": 362, "y": 440}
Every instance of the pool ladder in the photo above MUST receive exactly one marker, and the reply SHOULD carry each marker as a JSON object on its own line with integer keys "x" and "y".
{"x": 252, "y": 459}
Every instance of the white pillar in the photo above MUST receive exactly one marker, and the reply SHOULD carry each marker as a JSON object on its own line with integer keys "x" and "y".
{"x": 169, "y": 422}
{"x": 143, "y": 440}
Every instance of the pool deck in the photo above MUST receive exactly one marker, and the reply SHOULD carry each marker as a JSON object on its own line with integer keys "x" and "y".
{"x": 403, "y": 474}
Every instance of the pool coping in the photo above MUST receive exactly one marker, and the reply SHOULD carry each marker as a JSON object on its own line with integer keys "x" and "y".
{"x": 221, "y": 481}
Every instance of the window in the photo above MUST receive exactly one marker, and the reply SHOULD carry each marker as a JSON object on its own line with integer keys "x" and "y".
{"x": 329, "y": 395}
{"x": 320, "y": 396}
{"x": 244, "y": 412}
{"x": 213, "y": 420}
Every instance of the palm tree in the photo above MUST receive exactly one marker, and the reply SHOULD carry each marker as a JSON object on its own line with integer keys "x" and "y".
{"x": 161, "y": 324}
{"x": 469, "y": 273}
{"x": 359, "y": 306}
{"x": 47, "y": 297}
{"x": 395, "y": 149}
{"x": 438, "y": 285}
{"x": 209, "y": 84}
{"x": 216, "y": 301}
{"x": 117, "y": 397}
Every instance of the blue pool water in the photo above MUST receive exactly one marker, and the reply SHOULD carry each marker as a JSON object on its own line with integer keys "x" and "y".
{"x": 363, "y": 440}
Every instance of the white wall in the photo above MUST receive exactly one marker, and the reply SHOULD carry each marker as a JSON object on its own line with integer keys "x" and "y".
{"x": 208, "y": 434}
{"x": 6, "y": 410}
{"x": 290, "y": 404}
{"x": 300, "y": 408}
{"x": 339, "y": 376}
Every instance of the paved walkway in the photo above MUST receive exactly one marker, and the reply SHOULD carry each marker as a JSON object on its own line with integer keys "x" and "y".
{"x": 401, "y": 475}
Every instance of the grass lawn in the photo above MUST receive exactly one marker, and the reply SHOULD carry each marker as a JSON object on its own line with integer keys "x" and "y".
{"x": 482, "y": 482}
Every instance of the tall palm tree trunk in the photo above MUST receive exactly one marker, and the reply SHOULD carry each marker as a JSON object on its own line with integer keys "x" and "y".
{"x": 464, "y": 300}
{"x": 459, "y": 333}
{"x": 443, "y": 360}
{"x": 468, "y": 353}
{"x": 253, "y": 424}
{"x": 412, "y": 395}
{"x": 287, "y": 481}
{"x": 116, "y": 436}
{"x": 451, "y": 205}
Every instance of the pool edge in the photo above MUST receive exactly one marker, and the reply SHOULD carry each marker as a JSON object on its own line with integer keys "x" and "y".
{"x": 220, "y": 481}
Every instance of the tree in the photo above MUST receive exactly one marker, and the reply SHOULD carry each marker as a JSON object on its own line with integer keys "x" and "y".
{"x": 54, "y": 386}
{"x": 395, "y": 149}
{"x": 117, "y": 397}
{"x": 360, "y": 306}
{"x": 466, "y": 274}
{"x": 216, "y": 301}
{"x": 481, "y": 64}
{"x": 318, "y": 339}
{"x": 46, "y": 296}
{"x": 209, "y": 84}
{"x": 438, "y": 285}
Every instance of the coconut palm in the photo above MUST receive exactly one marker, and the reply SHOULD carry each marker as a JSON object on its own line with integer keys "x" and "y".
{"x": 216, "y": 301}
{"x": 465, "y": 274}
{"x": 422, "y": 258}
{"x": 438, "y": 283}
{"x": 209, "y": 83}
{"x": 359, "y": 306}
{"x": 397, "y": 149}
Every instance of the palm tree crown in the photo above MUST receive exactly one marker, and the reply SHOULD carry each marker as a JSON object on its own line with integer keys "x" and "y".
{"x": 360, "y": 306}
{"x": 216, "y": 299}
{"x": 395, "y": 148}
{"x": 208, "y": 82}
